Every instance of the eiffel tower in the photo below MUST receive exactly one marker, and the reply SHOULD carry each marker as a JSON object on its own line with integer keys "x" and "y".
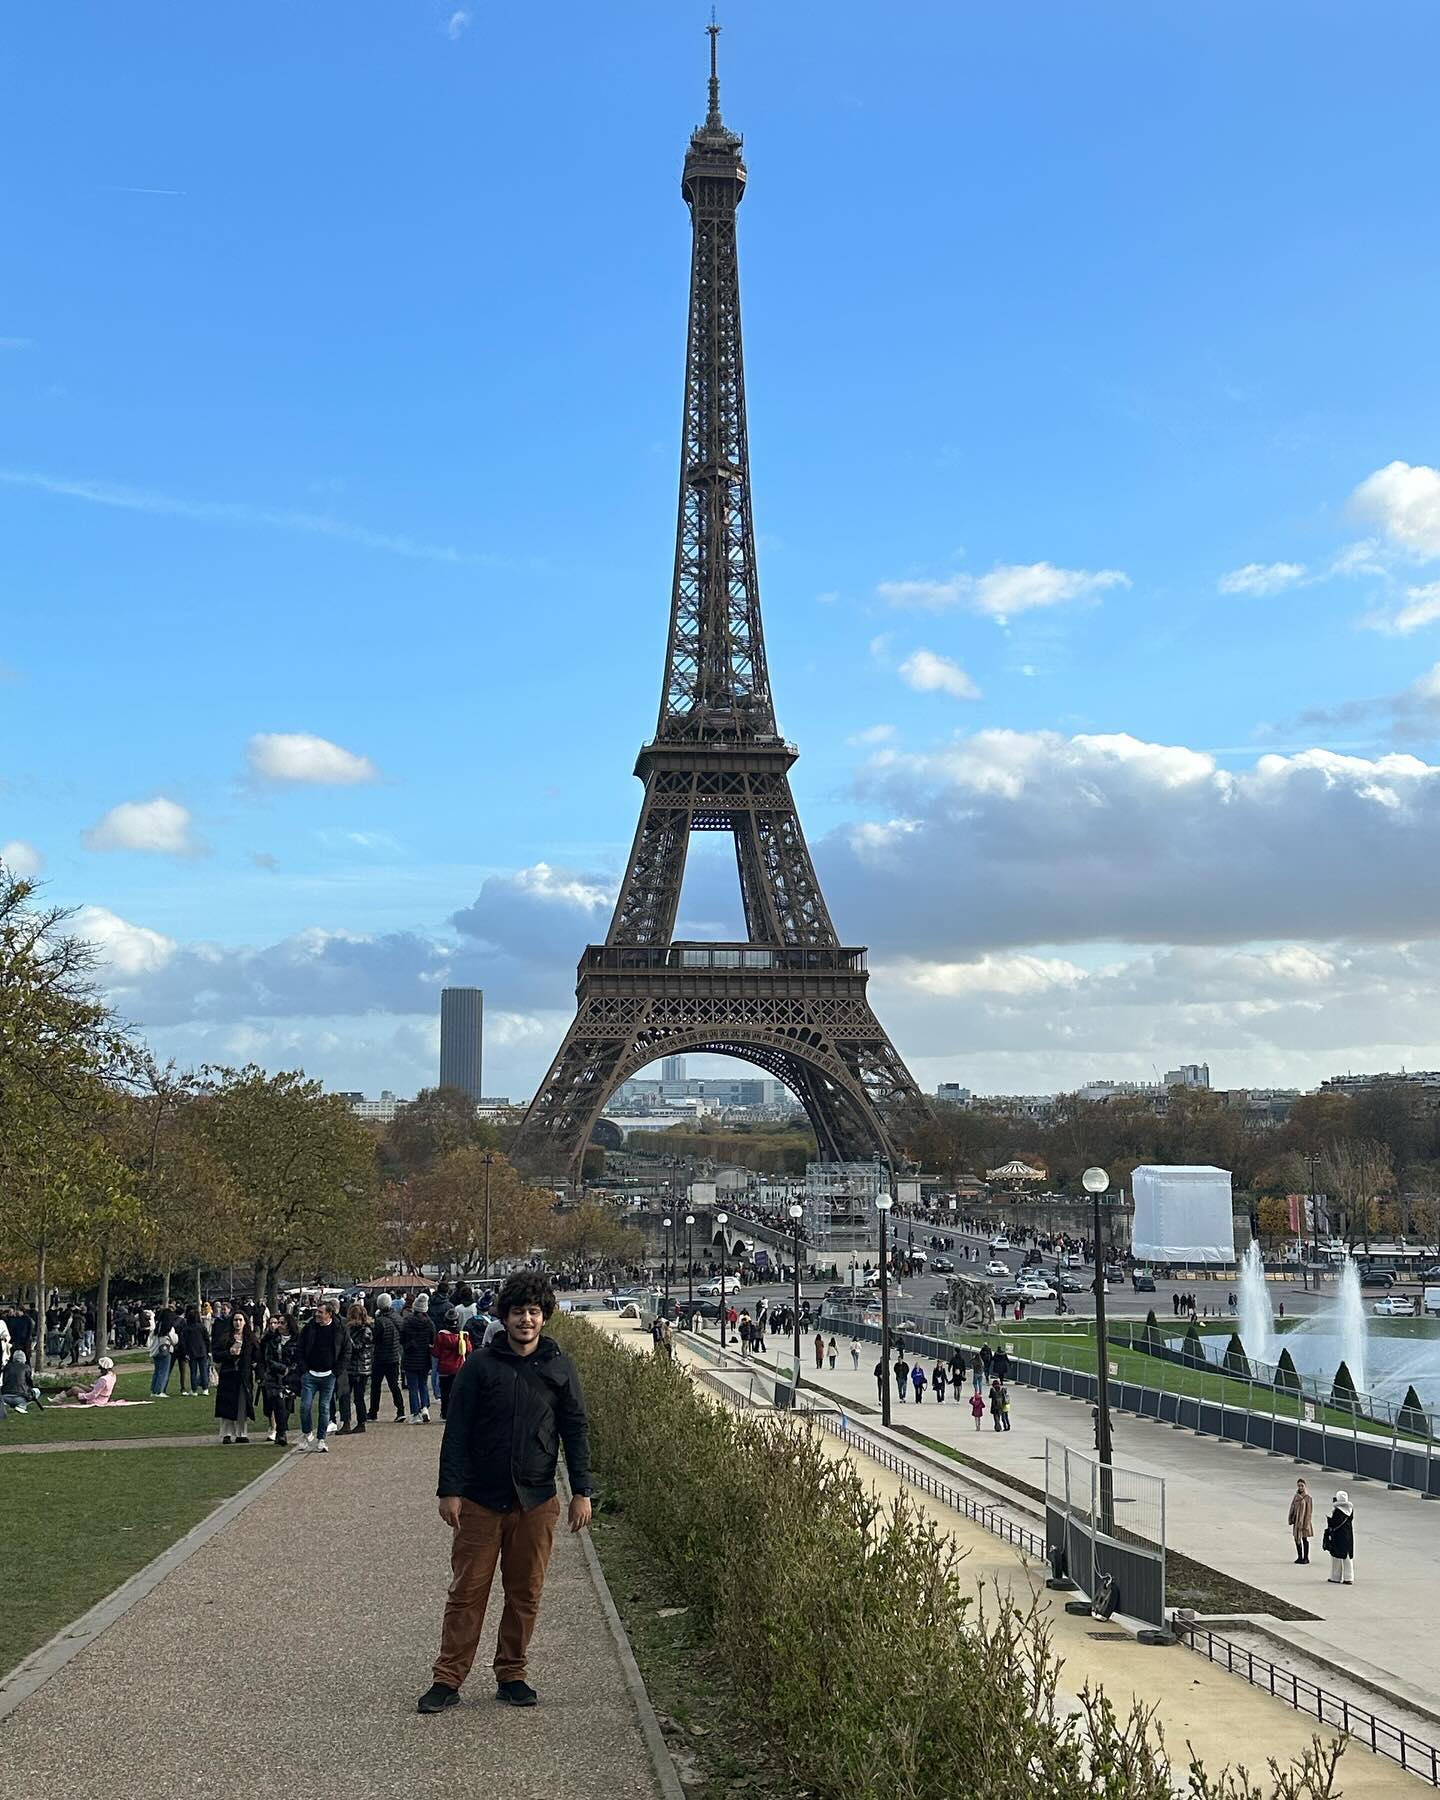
{"x": 791, "y": 998}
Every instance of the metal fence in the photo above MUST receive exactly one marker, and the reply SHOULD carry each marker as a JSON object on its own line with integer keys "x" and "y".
{"x": 1105, "y": 1531}
{"x": 1413, "y": 1754}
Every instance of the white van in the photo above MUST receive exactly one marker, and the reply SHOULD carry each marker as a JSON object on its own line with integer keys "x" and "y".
{"x": 1431, "y": 1302}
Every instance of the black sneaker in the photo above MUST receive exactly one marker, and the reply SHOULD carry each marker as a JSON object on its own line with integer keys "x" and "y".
{"x": 438, "y": 1698}
{"x": 517, "y": 1693}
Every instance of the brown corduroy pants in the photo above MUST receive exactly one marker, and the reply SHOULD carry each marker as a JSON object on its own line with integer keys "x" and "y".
{"x": 521, "y": 1543}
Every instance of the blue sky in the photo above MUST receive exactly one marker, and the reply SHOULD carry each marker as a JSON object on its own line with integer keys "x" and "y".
{"x": 1093, "y": 393}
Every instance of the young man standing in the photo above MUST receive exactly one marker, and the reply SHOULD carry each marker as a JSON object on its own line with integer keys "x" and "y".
{"x": 512, "y": 1406}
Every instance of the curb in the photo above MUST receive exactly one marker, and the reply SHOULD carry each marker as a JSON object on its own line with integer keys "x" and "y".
{"x": 670, "y": 1786}
{"x": 32, "y": 1674}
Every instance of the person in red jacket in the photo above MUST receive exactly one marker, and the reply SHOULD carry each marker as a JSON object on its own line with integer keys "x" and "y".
{"x": 450, "y": 1352}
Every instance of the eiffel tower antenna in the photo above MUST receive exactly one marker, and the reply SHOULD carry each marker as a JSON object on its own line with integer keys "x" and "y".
{"x": 790, "y": 998}
{"x": 714, "y": 33}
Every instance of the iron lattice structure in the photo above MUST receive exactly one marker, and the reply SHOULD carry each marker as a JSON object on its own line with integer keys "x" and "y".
{"x": 790, "y": 999}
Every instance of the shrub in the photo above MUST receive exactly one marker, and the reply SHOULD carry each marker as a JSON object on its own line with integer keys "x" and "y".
{"x": 1192, "y": 1350}
{"x": 874, "y": 1669}
{"x": 1412, "y": 1416}
{"x": 1343, "y": 1395}
{"x": 1236, "y": 1361}
{"x": 1287, "y": 1376}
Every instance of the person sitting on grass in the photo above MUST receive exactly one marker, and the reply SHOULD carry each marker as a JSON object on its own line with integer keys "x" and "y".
{"x": 17, "y": 1386}
{"x": 99, "y": 1391}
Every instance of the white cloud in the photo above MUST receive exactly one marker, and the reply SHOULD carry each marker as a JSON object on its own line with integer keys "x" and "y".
{"x": 928, "y": 673}
{"x": 297, "y": 756}
{"x": 1006, "y": 591}
{"x": 1035, "y": 838}
{"x": 1420, "y": 607}
{"x": 458, "y": 24}
{"x": 1427, "y": 688}
{"x": 130, "y": 950}
{"x": 1262, "y": 578}
{"x": 872, "y": 734}
{"x": 128, "y": 499}
{"x": 20, "y": 858}
{"x": 1403, "y": 499}
{"x": 1000, "y": 975}
{"x": 159, "y": 825}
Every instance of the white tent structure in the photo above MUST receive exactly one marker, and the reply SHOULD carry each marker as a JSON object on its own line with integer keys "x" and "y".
{"x": 1183, "y": 1214}
{"x": 1014, "y": 1171}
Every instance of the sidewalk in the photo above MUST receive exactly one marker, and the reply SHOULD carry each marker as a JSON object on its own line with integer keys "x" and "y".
{"x": 1226, "y": 1507}
{"x": 1196, "y": 1704}
{"x": 287, "y": 1653}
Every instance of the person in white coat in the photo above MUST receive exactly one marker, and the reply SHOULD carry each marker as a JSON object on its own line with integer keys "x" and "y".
{"x": 1339, "y": 1540}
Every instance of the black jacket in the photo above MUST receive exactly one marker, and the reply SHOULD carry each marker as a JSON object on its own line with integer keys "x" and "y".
{"x": 387, "y": 1340}
{"x": 362, "y": 1343}
{"x": 320, "y": 1346}
{"x": 417, "y": 1334}
{"x": 1340, "y": 1533}
{"x": 508, "y": 1417}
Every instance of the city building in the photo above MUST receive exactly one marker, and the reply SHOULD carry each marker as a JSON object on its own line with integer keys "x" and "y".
{"x": 462, "y": 1031}
{"x": 1422, "y": 1081}
{"x": 378, "y": 1112}
{"x": 950, "y": 1093}
{"x": 672, "y": 1068}
{"x": 1195, "y": 1075}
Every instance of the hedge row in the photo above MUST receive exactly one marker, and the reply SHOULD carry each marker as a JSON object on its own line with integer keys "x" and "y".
{"x": 876, "y": 1670}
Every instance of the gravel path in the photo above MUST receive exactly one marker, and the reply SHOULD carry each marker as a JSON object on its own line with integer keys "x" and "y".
{"x": 286, "y": 1656}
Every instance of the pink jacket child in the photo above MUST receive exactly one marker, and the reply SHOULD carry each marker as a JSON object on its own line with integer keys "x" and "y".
{"x": 100, "y": 1390}
{"x": 977, "y": 1408}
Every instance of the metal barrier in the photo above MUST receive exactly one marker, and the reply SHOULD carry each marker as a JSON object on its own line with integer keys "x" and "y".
{"x": 855, "y": 1437}
{"x": 1089, "y": 1542}
{"x": 1413, "y": 1754}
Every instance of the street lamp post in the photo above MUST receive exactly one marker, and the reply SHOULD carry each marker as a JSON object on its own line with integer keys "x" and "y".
{"x": 668, "y": 1224}
{"x": 722, "y": 1220}
{"x": 797, "y": 1213}
{"x": 883, "y": 1203}
{"x": 488, "y": 1158}
{"x": 1096, "y": 1182}
{"x": 1312, "y": 1163}
{"x": 690, "y": 1265}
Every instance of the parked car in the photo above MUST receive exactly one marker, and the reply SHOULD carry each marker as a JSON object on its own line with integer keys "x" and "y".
{"x": 996, "y": 1267}
{"x": 1392, "y": 1306}
{"x": 1142, "y": 1283}
{"x": 1381, "y": 1278}
{"x": 941, "y": 1265}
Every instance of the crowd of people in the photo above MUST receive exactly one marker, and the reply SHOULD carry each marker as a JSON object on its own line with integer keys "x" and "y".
{"x": 329, "y": 1362}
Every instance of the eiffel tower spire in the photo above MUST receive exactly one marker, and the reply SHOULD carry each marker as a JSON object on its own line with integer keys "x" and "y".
{"x": 790, "y": 998}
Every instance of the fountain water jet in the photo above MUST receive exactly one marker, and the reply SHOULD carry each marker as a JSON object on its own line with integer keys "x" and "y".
{"x": 1257, "y": 1323}
{"x": 1354, "y": 1327}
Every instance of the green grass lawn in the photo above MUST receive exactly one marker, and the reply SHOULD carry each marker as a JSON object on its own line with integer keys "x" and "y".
{"x": 165, "y": 1418}
{"x": 77, "y": 1526}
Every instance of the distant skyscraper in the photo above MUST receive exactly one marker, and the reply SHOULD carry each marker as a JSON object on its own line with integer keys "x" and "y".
{"x": 672, "y": 1068}
{"x": 462, "y": 1019}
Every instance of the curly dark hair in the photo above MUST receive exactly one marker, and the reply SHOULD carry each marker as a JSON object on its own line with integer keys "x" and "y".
{"x": 526, "y": 1289}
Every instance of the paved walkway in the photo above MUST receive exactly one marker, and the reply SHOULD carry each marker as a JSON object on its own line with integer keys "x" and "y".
{"x": 1226, "y": 1507}
{"x": 286, "y": 1656}
{"x": 136, "y": 1443}
{"x": 1196, "y": 1703}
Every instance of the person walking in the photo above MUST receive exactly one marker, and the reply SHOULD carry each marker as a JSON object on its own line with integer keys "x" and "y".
{"x": 996, "y": 1404}
{"x": 417, "y": 1336}
{"x": 937, "y": 1381}
{"x": 319, "y": 1359}
{"x": 1004, "y": 1407}
{"x": 279, "y": 1376}
{"x": 986, "y": 1358}
{"x": 162, "y": 1347}
{"x": 361, "y": 1334}
{"x": 917, "y": 1381}
{"x": 512, "y": 1406}
{"x": 832, "y": 1351}
{"x": 385, "y": 1366}
{"x": 854, "y": 1356}
{"x": 233, "y": 1406}
{"x": 902, "y": 1372}
{"x": 452, "y": 1347}
{"x": 819, "y": 1351}
{"x": 977, "y": 1406}
{"x": 881, "y": 1376}
{"x": 1339, "y": 1540}
{"x": 1302, "y": 1521}
{"x": 194, "y": 1347}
